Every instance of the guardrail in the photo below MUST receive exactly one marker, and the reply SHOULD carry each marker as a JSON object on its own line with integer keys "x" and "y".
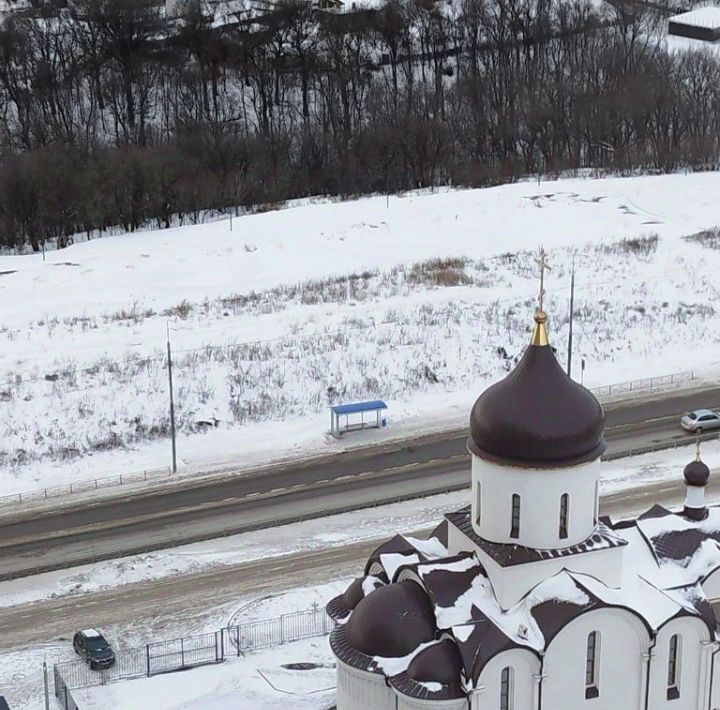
{"x": 645, "y": 384}
{"x": 84, "y": 485}
{"x": 660, "y": 446}
{"x": 93, "y": 484}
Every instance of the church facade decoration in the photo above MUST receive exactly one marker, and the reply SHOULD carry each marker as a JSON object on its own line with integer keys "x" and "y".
{"x": 527, "y": 599}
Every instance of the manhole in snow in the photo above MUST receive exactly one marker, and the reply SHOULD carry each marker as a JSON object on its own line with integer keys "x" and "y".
{"x": 301, "y": 666}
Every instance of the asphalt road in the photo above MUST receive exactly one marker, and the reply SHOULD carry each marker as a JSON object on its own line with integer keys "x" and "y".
{"x": 34, "y": 541}
{"x": 175, "y": 597}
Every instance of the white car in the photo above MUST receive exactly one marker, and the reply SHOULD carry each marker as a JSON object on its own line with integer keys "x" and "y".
{"x": 700, "y": 420}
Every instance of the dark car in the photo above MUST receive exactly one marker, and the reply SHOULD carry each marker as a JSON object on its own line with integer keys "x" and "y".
{"x": 92, "y": 646}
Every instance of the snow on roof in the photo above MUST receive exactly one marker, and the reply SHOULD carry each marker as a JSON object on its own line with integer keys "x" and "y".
{"x": 392, "y": 561}
{"x": 393, "y": 666}
{"x": 370, "y": 584}
{"x": 461, "y": 565}
{"x": 431, "y": 548}
{"x": 679, "y": 542}
{"x": 637, "y": 594}
{"x": 90, "y": 633}
{"x": 708, "y": 17}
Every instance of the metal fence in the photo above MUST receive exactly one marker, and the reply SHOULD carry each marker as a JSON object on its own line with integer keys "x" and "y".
{"x": 648, "y": 383}
{"x": 90, "y": 484}
{"x": 191, "y": 651}
{"x": 62, "y": 692}
{"x": 283, "y": 629}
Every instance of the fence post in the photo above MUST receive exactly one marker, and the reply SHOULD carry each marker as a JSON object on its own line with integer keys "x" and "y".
{"x": 45, "y": 682}
{"x": 147, "y": 656}
{"x": 237, "y": 639}
{"x": 182, "y": 654}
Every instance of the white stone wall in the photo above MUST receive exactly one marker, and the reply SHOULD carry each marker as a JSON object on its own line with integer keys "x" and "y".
{"x": 359, "y": 690}
{"x": 540, "y": 492}
{"x": 525, "y": 669}
{"x": 621, "y": 665}
{"x": 693, "y": 668}
{"x": 405, "y": 703}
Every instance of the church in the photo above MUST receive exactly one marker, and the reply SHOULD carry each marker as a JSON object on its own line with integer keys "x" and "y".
{"x": 528, "y": 599}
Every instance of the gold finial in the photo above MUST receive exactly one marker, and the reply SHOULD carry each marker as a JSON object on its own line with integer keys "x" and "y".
{"x": 697, "y": 445}
{"x": 539, "y": 336}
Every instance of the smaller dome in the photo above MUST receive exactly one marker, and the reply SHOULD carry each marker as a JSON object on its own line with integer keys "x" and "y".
{"x": 696, "y": 473}
{"x": 355, "y": 593}
{"x": 392, "y": 621}
{"x": 439, "y": 663}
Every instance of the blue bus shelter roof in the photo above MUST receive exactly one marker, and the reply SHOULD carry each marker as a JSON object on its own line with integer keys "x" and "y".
{"x": 357, "y": 407}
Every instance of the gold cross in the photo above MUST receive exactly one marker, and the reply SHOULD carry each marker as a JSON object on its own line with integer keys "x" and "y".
{"x": 697, "y": 445}
{"x": 542, "y": 263}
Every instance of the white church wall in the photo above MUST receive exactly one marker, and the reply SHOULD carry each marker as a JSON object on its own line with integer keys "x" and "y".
{"x": 693, "y": 671}
{"x": 620, "y": 681}
{"x": 525, "y": 667}
{"x": 540, "y": 494}
{"x": 511, "y": 584}
{"x": 360, "y": 690}
{"x": 405, "y": 703}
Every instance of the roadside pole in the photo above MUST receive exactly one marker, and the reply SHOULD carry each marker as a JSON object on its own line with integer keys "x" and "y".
{"x": 572, "y": 308}
{"x": 172, "y": 403}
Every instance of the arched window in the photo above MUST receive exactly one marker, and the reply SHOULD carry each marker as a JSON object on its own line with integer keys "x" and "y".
{"x": 592, "y": 665}
{"x": 477, "y": 504}
{"x": 673, "y": 682}
{"x": 597, "y": 503}
{"x": 564, "y": 512}
{"x": 506, "y": 689}
{"x": 515, "y": 525}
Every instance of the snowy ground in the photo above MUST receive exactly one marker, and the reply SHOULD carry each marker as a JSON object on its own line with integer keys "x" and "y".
{"x": 258, "y": 682}
{"x": 423, "y": 303}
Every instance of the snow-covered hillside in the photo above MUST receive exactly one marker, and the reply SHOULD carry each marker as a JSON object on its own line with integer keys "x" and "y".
{"x": 423, "y": 301}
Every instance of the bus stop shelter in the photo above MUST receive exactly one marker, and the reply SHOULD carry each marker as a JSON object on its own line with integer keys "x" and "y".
{"x": 357, "y": 415}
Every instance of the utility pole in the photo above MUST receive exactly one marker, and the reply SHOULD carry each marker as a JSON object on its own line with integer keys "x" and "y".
{"x": 47, "y": 693}
{"x": 172, "y": 403}
{"x": 572, "y": 307}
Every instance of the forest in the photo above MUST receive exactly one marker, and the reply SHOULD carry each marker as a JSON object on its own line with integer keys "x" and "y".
{"x": 115, "y": 115}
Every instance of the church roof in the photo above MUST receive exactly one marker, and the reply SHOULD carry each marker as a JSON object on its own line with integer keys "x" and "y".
{"x": 537, "y": 417}
{"x": 509, "y": 554}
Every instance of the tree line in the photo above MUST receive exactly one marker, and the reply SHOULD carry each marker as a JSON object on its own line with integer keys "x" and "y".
{"x": 114, "y": 114}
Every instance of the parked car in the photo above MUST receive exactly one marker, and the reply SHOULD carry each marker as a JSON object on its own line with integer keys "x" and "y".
{"x": 91, "y": 645}
{"x": 700, "y": 420}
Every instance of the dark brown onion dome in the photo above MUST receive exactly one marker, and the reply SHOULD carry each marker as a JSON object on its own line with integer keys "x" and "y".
{"x": 537, "y": 417}
{"x": 696, "y": 473}
{"x": 355, "y": 593}
{"x": 392, "y": 621}
{"x": 439, "y": 663}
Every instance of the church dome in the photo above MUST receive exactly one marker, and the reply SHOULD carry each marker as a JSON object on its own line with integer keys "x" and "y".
{"x": 537, "y": 417}
{"x": 696, "y": 473}
{"x": 439, "y": 663}
{"x": 392, "y": 621}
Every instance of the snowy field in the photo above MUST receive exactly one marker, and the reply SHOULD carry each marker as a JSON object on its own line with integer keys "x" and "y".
{"x": 422, "y": 302}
